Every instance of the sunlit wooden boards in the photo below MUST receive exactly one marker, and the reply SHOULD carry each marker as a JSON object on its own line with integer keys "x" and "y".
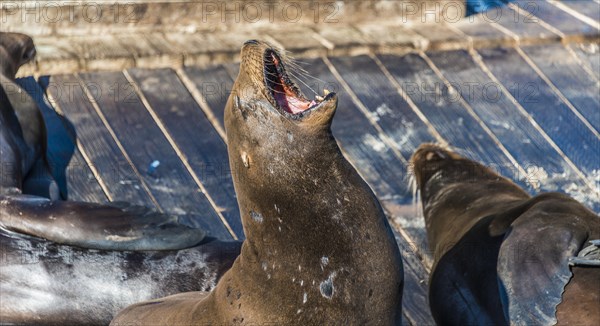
{"x": 114, "y": 121}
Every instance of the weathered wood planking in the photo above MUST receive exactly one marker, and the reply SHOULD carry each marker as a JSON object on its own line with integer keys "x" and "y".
{"x": 589, "y": 54}
{"x": 589, "y": 8}
{"x": 114, "y": 171}
{"x": 545, "y": 166}
{"x": 198, "y": 142}
{"x": 74, "y": 177}
{"x": 570, "y": 78}
{"x": 522, "y": 24}
{"x": 479, "y": 28}
{"x": 446, "y": 113}
{"x": 385, "y": 104}
{"x": 558, "y": 121}
{"x": 150, "y": 152}
{"x": 215, "y": 84}
{"x": 559, "y": 19}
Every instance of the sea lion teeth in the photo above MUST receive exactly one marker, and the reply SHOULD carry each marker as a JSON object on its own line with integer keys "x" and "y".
{"x": 285, "y": 204}
{"x": 326, "y": 92}
{"x": 319, "y": 98}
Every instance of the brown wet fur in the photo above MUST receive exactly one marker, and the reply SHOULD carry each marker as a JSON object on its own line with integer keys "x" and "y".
{"x": 318, "y": 249}
{"x": 16, "y": 49}
{"x": 22, "y": 126}
{"x": 581, "y": 300}
{"x": 500, "y": 255}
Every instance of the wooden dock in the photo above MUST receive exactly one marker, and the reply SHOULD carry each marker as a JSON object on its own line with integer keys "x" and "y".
{"x": 155, "y": 137}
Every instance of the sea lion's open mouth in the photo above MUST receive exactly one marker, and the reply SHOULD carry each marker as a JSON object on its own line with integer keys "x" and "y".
{"x": 284, "y": 94}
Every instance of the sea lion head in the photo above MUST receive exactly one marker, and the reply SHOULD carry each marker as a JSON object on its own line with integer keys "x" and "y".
{"x": 16, "y": 49}
{"x": 436, "y": 167}
{"x": 456, "y": 191}
{"x": 263, "y": 84}
{"x": 273, "y": 130}
{"x": 438, "y": 170}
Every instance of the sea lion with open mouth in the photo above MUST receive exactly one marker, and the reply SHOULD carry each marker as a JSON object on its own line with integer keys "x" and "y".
{"x": 69, "y": 263}
{"x": 318, "y": 248}
{"x": 500, "y": 255}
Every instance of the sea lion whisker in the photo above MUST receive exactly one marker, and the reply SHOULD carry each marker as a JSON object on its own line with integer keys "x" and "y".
{"x": 305, "y": 84}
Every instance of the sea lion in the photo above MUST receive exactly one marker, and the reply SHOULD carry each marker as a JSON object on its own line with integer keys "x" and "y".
{"x": 45, "y": 282}
{"x": 500, "y": 255}
{"x": 318, "y": 248}
{"x": 23, "y": 163}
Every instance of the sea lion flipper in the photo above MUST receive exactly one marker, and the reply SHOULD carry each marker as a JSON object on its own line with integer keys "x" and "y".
{"x": 96, "y": 226}
{"x": 533, "y": 267}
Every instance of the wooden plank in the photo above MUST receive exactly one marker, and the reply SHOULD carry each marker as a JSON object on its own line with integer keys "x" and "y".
{"x": 214, "y": 83}
{"x": 440, "y": 37}
{"x": 384, "y": 102}
{"x": 483, "y": 34}
{"x": 574, "y": 138}
{"x": 102, "y": 52}
{"x": 588, "y": 8}
{"x": 56, "y": 55}
{"x": 114, "y": 171}
{"x": 589, "y": 54}
{"x": 445, "y": 112}
{"x": 522, "y": 24}
{"x": 145, "y": 52}
{"x": 558, "y": 18}
{"x": 150, "y": 152}
{"x": 570, "y": 78}
{"x": 82, "y": 183}
{"x": 346, "y": 40}
{"x": 415, "y": 305}
{"x": 197, "y": 140}
{"x": 72, "y": 174}
{"x": 299, "y": 40}
{"x": 546, "y": 168}
{"x": 392, "y": 37}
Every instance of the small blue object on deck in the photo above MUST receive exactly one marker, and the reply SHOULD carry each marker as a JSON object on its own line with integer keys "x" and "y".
{"x": 152, "y": 167}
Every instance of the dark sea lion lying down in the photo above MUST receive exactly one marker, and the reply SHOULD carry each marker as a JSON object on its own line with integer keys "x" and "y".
{"x": 318, "y": 248}
{"x": 60, "y": 262}
{"x": 500, "y": 255}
